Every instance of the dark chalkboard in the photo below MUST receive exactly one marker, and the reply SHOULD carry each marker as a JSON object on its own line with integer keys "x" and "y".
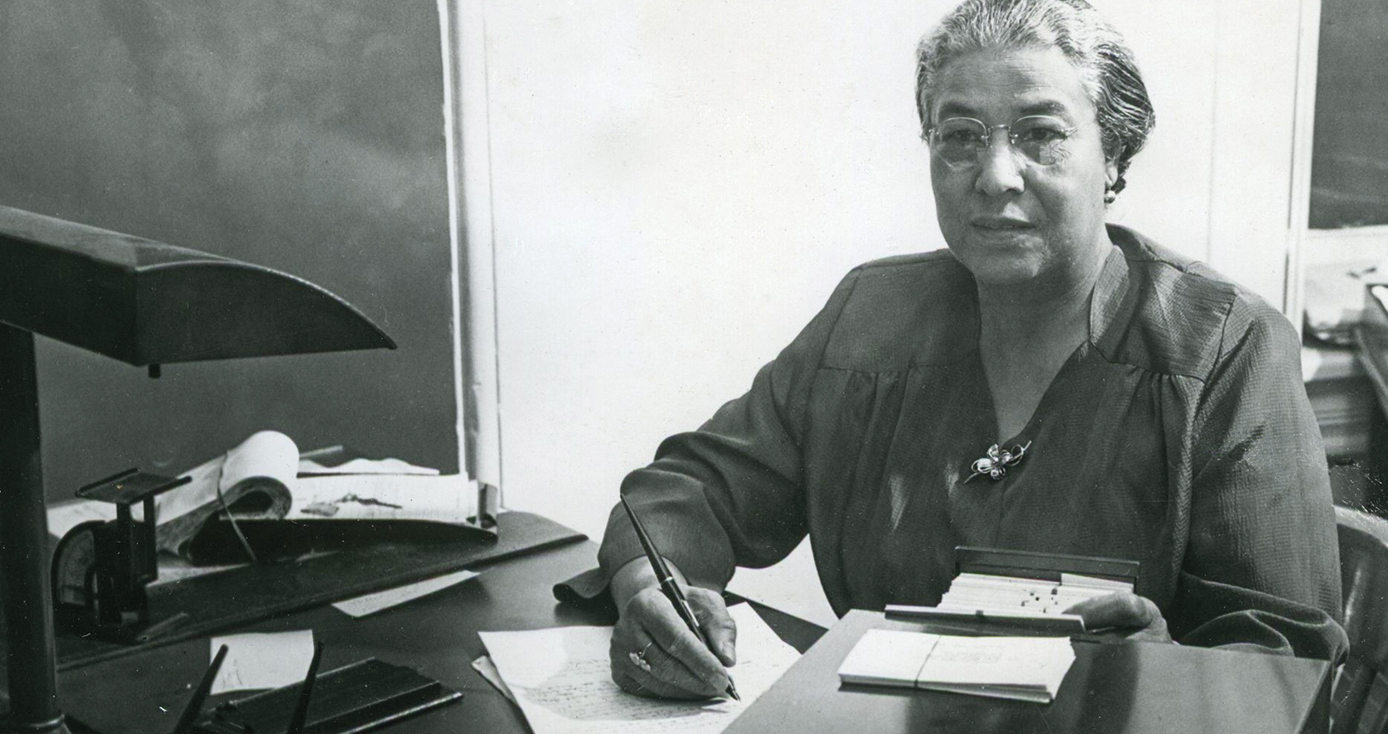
{"x": 304, "y": 135}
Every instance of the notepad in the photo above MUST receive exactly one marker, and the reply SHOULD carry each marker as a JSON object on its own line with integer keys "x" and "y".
{"x": 1017, "y": 668}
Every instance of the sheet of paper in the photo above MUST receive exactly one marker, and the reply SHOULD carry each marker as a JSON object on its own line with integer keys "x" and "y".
{"x": 262, "y": 660}
{"x": 263, "y": 453}
{"x": 487, "y": 669}
{"x": 366, "y": 466}
{"x": 372, "y": 603}
{"x": 68, "y": 514}
{"x": 562, "y": 680}
{"x": 450, "y": 498}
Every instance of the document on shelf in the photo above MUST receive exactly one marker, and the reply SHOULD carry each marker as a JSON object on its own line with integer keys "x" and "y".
{"x": 371, "y": 603}
{"x": 561, "y": 679}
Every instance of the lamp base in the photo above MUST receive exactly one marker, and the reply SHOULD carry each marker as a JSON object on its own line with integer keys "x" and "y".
{"x": 30, "y": 660}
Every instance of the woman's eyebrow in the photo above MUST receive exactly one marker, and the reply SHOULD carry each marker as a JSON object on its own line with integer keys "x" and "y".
{"x": 955, "y": 109}
{"x": 1048, "y": 107}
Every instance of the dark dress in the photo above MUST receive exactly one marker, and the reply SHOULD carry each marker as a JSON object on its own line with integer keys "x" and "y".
{"x": 1179, "y": 436}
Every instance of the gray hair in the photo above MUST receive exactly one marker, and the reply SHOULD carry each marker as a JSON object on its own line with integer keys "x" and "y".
{"x": 1107, "y": 67}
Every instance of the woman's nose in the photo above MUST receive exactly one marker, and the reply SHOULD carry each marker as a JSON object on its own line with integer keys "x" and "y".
{"x": 999, "y": 168}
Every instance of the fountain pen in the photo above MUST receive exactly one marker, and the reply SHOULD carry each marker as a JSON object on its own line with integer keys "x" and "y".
{"x": 671, "y": 589}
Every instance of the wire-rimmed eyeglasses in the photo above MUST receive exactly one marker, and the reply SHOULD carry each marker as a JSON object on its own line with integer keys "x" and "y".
{"x": 961, "y": 141}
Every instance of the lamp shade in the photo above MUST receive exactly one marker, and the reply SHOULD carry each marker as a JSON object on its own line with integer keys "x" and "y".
{"x": 145, "y": 302}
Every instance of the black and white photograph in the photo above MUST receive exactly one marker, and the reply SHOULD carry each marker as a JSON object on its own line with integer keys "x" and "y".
{"x": 603, "y": 366}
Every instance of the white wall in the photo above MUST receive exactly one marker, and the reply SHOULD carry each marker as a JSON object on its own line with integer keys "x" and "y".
{"x": 676, "y": 187}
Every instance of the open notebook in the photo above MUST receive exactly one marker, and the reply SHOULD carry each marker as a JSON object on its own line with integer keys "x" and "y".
{"x": 1018, "y": 668}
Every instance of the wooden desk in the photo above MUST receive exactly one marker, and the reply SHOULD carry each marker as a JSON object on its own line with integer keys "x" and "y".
{"x": 1111, "y": 688}
{"x": 436, "y": 635}
{"x": 143, "y": 693}
{"x": 1118, "y": 687}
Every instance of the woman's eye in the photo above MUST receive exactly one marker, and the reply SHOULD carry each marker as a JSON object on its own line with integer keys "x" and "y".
{"x": 1041, "y": 134}
{"x": 961, "y": 137}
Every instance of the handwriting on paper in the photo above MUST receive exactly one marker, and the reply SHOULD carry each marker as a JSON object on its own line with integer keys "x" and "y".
{"x": 562, "y": 680}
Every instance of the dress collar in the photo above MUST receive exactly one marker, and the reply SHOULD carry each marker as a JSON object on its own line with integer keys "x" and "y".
{"x": 1114, "y": 300}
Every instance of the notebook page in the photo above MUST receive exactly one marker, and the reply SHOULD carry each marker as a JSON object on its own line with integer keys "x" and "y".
{"x": 448, "y": 498}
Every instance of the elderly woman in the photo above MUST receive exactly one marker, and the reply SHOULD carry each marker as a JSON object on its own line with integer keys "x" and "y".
{"x": 1141, "y": 406}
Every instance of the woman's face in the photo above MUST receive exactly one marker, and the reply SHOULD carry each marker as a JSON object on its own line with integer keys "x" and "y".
{"x": 1009, "y": 219}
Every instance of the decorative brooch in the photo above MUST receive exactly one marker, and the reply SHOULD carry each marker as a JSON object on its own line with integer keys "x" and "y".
{"x": 994, "y": 464}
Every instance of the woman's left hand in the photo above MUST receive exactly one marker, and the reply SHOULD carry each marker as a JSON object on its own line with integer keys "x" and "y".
{"x": 1124, "y": 613}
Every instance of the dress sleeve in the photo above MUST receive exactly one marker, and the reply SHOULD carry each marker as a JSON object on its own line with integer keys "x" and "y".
{"x": 1262, "y": 568}
{"x": 730, "y": 493}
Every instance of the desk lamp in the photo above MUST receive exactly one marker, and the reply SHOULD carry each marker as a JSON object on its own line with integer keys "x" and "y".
{"x": 140, "y": 302}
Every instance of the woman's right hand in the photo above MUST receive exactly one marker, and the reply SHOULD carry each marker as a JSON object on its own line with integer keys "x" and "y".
{"x": 653, "y": 652}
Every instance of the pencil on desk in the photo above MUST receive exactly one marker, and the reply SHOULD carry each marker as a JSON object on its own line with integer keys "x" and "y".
{"x": 671, "y": 588}
{"x": 193, "y": 708}
{"x": 300, "y": 715}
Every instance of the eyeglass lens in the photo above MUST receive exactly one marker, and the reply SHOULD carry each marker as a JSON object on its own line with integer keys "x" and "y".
{"x": 960, "y": 141}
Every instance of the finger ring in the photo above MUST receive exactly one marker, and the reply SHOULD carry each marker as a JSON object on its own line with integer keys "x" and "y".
{"x": 639, "y": 658}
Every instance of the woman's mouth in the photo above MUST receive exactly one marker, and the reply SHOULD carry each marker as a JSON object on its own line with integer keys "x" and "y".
{"x": 1000, "y": 224}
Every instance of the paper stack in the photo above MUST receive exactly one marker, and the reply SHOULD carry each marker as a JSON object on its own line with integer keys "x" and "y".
{"x": 1018, "y": 668}
{"x": 1013, "y": 600}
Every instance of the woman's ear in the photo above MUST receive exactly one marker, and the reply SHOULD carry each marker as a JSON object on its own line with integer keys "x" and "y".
{"x": 1110, "y": 181}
